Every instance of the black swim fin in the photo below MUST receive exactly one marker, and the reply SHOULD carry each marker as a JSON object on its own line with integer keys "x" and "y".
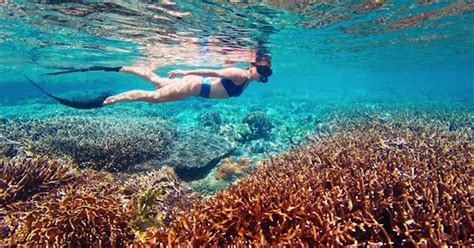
{"x": 97, "y": 102}
{"x": 93, "y": 68}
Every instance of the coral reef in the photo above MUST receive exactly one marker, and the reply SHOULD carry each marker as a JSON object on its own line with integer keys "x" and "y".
{"x": 12, "y": 148}
{"x": 259, "y": 124}
{"x": 195, "y": 153}
{"x": 78, "y": 219}
{"x": 25, "y": 183}
{"x": 110, "y": 143}
{"x": 153, "y": 196}
{"x": 400, "y": 183}
{"x": 376, "y": 172}
{"x": 211, "y": 120}
{"x": 21, "y": 179}
{"x": 228, "y": 168}
{"x": 7, "y": 146}
{"x": 96, "y": 209}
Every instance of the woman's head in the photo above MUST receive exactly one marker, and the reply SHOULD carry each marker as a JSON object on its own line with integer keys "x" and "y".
{"x": 263, "y": 69}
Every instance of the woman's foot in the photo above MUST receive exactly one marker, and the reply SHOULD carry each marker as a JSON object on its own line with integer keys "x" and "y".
{"x": 111, "y": 100}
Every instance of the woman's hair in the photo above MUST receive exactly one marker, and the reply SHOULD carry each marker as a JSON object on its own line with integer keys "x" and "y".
{"x": 264, "y": 70}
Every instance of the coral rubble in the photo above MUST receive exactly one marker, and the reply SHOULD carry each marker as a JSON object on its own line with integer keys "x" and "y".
{"x": 398, "y": 183}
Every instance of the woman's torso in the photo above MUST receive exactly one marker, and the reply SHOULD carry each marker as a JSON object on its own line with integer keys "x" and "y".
{"x": 218, "y": 89}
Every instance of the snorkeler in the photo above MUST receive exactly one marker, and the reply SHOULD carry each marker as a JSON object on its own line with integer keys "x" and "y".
{"x": 229, "y": 82}
{"x": 225, "y": 83}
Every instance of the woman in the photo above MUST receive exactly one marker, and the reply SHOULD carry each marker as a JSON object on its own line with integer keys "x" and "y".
{"x": 230, "y": 82}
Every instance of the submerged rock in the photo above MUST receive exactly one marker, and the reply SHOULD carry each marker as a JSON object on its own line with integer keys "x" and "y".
{"x": 259, "y": 124}
{"x": 195, "y": 153}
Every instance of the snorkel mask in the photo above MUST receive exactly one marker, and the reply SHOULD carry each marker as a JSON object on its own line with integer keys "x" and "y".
{"x": 264, "y": 71}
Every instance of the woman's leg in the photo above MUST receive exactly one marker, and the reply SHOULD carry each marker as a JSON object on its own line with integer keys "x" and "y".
{"x": 149, "y": 75}
{"x": 166, "y": 94}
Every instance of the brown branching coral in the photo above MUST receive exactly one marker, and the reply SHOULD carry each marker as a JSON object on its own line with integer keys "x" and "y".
{"x": 390, "y": 183}
{"x": 25, "y": 183}
{"x": 76, "y": 220}
{"x": 99, "y": 182}
{"x": 21, "y": 179}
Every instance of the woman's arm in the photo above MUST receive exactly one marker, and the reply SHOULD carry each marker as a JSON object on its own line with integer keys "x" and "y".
{"x": 224, "y": 73}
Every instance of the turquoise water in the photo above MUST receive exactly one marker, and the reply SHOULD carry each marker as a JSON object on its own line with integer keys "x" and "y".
{"x": 357, "y": 53}
{"x": 361, "y": 137}
{"x": 337, "y": 47}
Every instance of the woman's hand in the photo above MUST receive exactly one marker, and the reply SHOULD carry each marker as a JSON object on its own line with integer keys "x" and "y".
{"x": 172, "y": 74}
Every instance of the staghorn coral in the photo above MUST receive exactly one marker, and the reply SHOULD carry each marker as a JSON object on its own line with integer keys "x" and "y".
{"x": 87, "y": 206}
{"x": 396, "y": 183}
{"x": 98, "y": 182}
{"x": 25, "y": 183}
{"x": 229, "y": 168}
{"x": 22, "y": 179}
{"x": 114, "y": 144}
{"x": 77, "y": 219}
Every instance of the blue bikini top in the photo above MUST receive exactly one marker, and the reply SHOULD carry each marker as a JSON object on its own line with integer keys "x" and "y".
{"x": 232, "y": 89}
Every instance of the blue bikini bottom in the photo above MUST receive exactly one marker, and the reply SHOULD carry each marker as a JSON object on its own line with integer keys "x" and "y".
{"x": 229, "y": 86}
{"x": 205, "y": 88}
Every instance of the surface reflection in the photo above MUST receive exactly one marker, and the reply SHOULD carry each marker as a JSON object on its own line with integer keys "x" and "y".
{"x": 222, "y": 32}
